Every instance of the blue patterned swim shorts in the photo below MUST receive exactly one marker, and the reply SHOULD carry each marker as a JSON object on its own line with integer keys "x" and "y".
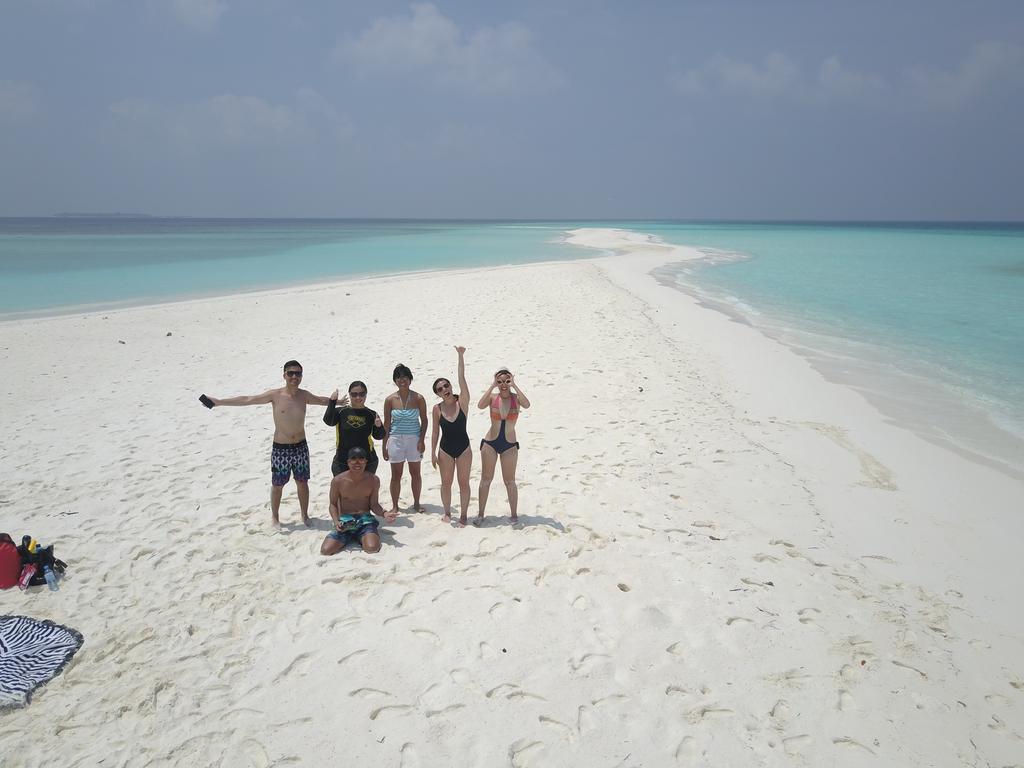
{"x": 287, "y": 460}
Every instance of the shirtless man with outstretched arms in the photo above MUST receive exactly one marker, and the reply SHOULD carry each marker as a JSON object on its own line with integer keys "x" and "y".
{"x": 290, "y": 454}
{"x": 354, "y": 502}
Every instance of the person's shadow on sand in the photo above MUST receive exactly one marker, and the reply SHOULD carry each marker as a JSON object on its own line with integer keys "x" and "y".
{"x": 387, "y": 538}
{"x": 525, "y": 521}
{"x": 315, "y": 524}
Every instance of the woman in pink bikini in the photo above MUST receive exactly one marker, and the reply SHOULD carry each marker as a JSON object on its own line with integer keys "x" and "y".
{"x": 500, "y": 442}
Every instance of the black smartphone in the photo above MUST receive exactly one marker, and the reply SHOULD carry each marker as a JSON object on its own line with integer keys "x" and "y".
{"x": 206, "y": 401}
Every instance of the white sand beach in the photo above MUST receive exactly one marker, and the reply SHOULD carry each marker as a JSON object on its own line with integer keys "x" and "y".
{"x": 726, "y": 559}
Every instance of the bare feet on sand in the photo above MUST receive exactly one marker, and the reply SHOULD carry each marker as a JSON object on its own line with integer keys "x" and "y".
{"x": 446, "y": 517}
{"x": 478, "y": 521}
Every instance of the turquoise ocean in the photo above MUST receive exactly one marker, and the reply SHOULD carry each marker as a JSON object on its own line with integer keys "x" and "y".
{"x": 927, "y": 320}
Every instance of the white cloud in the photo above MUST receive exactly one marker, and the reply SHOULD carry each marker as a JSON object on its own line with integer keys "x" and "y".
{"x": 18, "y": 101}
{"x": 837, "y": 80}
{"x": 775, "y": 76}
{"x": 499, "y": 59}
{"x": 231, "y": 122}
{"x": 199, "y": 14}
{"x": 985, "y": 66}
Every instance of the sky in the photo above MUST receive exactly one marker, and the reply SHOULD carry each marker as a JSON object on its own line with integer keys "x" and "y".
{"x": 558, "y": 109}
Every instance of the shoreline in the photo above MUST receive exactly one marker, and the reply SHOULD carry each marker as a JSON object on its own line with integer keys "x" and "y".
{"x": 305, "y": 286}
{"x": 754, "y": 359}
{"x": 715, "y": 536}
{"x": 895, "y": 394}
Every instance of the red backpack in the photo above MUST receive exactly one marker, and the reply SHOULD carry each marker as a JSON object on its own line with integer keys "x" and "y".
{"x": 10, "y": 562}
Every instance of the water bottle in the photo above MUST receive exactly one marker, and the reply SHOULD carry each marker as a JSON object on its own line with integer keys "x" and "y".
{"x": 51, "y": 578}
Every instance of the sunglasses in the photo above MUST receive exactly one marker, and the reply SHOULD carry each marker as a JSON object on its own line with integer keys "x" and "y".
{"x": 293, "y": 373}
{"x": 357, "y": 394}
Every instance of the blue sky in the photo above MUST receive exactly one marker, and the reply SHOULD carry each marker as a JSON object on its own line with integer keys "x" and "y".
{"x": 548, "y": 109}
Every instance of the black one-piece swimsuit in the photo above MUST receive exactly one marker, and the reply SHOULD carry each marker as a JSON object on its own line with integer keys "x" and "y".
{"x": 454, "y": 438}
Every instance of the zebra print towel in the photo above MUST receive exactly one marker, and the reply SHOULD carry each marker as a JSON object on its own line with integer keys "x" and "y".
{"x": 32, "y": 652}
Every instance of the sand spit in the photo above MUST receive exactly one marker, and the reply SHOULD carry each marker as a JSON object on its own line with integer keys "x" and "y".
{"x": 726, "y": 560}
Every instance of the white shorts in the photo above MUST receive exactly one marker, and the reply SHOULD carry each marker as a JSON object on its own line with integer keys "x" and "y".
{"x": 403, "y": 448}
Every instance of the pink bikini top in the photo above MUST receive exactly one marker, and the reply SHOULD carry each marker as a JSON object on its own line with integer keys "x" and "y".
{"x": 513, "y": 409}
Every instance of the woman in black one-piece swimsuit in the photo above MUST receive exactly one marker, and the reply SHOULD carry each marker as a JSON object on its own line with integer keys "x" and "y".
{"x": 455, "y": 454}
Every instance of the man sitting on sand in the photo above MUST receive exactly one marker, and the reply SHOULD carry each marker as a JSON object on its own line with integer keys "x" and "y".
{"x": 290, "y": 454}
{"x": 354, "y": 500}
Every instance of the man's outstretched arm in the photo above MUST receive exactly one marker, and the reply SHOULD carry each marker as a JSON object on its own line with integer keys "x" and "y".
{"x": 311, "y": 399}
{"x": 266, "y": 397}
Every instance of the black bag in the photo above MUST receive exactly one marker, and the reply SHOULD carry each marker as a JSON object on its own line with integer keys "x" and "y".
{"x": 41, "y": 557}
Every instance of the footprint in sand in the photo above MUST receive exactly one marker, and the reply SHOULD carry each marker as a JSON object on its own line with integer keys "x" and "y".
{"x": 844, "y": 702}
{"x": 444, "y": 710}
{"x": 806, "y": 616}
{"x": 366, "y": 693}
{"x": 846, "y": 741}
{"x": 563, "y": 730}
{"x": 780, "y": 714}
{"x": 389, "y": 709}
{"x": 587, "y": 661}
{"x": 352, "y": 656}
{"x": 427, "y": 635}
{"x": 501, "y": 690}
{"x": 486, "y": 651}
{"x": 790, "y": 678}
{"x": 522, "y": 753}
{"x": 298, "y": 666}
{"x": 255, "y": 754}
{"x": 850, "y": 673}
{"x": 794, "y": 745}
{"x": 911, "y": 668}
{"x": 707, "y": 712}
{"x": 520, "y": 694}
{"x": 409, "y": 757}
{"x": 858, "y": 647}
{"x": 687, "y": 749}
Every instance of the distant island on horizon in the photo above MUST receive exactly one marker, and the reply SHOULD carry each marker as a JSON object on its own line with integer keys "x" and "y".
{"x": 639, "y": 220}
{"x": 104, "y": 216}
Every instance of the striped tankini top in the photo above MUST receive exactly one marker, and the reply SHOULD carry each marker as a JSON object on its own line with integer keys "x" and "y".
{"x": 405, "y": 421}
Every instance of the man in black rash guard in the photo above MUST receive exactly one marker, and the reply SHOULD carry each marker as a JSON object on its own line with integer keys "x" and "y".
{"x": 355, "y": 427}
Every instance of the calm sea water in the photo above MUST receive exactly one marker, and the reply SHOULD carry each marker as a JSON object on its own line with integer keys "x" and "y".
{"x": 926, "y": 320}
{"x": 54, "y": 263}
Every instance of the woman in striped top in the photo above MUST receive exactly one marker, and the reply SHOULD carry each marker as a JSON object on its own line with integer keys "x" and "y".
{"x": 405, "y": 424}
